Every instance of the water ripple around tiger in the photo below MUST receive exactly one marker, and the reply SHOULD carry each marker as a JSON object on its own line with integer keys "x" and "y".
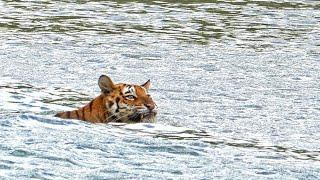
{"x": 236, "y": 82}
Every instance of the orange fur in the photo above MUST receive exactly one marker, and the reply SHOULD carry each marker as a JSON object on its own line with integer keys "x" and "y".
{"x": 116, "y": 103}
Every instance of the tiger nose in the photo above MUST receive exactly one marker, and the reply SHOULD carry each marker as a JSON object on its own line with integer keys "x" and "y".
{"x": 150, "y": 106}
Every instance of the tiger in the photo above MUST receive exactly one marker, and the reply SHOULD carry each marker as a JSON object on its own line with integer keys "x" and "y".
{"x": 121, "y": 103}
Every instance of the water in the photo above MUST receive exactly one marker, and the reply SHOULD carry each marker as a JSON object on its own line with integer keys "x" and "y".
{"x": 236, "y": 82}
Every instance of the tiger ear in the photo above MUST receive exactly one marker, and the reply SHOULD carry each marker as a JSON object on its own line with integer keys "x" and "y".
{"x": 146, "y": 85}
{"x": 106, "y": 85}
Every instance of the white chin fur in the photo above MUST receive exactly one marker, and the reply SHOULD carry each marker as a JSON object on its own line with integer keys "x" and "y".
{"x": 144, "y": 110}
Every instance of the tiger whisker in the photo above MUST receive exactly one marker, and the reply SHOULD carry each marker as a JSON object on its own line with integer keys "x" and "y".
{"x": 115, "y": 120}
{"x": 110, "y": 116}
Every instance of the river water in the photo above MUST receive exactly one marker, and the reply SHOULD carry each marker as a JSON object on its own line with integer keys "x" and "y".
{"x": 237, "y": 85}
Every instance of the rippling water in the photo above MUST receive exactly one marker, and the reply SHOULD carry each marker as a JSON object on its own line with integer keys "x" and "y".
{"x": 237, "y": 84}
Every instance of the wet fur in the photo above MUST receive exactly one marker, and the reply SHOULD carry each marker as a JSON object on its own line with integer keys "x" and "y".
{"x": 113, "y": 104}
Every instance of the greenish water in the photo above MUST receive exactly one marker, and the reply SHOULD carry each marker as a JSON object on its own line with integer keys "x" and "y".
{"x": 236, "y": 82}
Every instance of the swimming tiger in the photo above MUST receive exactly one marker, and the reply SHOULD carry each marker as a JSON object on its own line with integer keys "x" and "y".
{"x": 121, "y": 102}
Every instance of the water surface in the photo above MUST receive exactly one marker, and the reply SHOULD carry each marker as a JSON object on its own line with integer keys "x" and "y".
{"x": 236, "y": 82}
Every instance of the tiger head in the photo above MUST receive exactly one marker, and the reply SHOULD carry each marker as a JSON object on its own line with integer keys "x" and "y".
{"x": 127, "y": 102}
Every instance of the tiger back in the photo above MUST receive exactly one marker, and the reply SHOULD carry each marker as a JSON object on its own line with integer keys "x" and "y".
{"x": 127, "y": 103}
